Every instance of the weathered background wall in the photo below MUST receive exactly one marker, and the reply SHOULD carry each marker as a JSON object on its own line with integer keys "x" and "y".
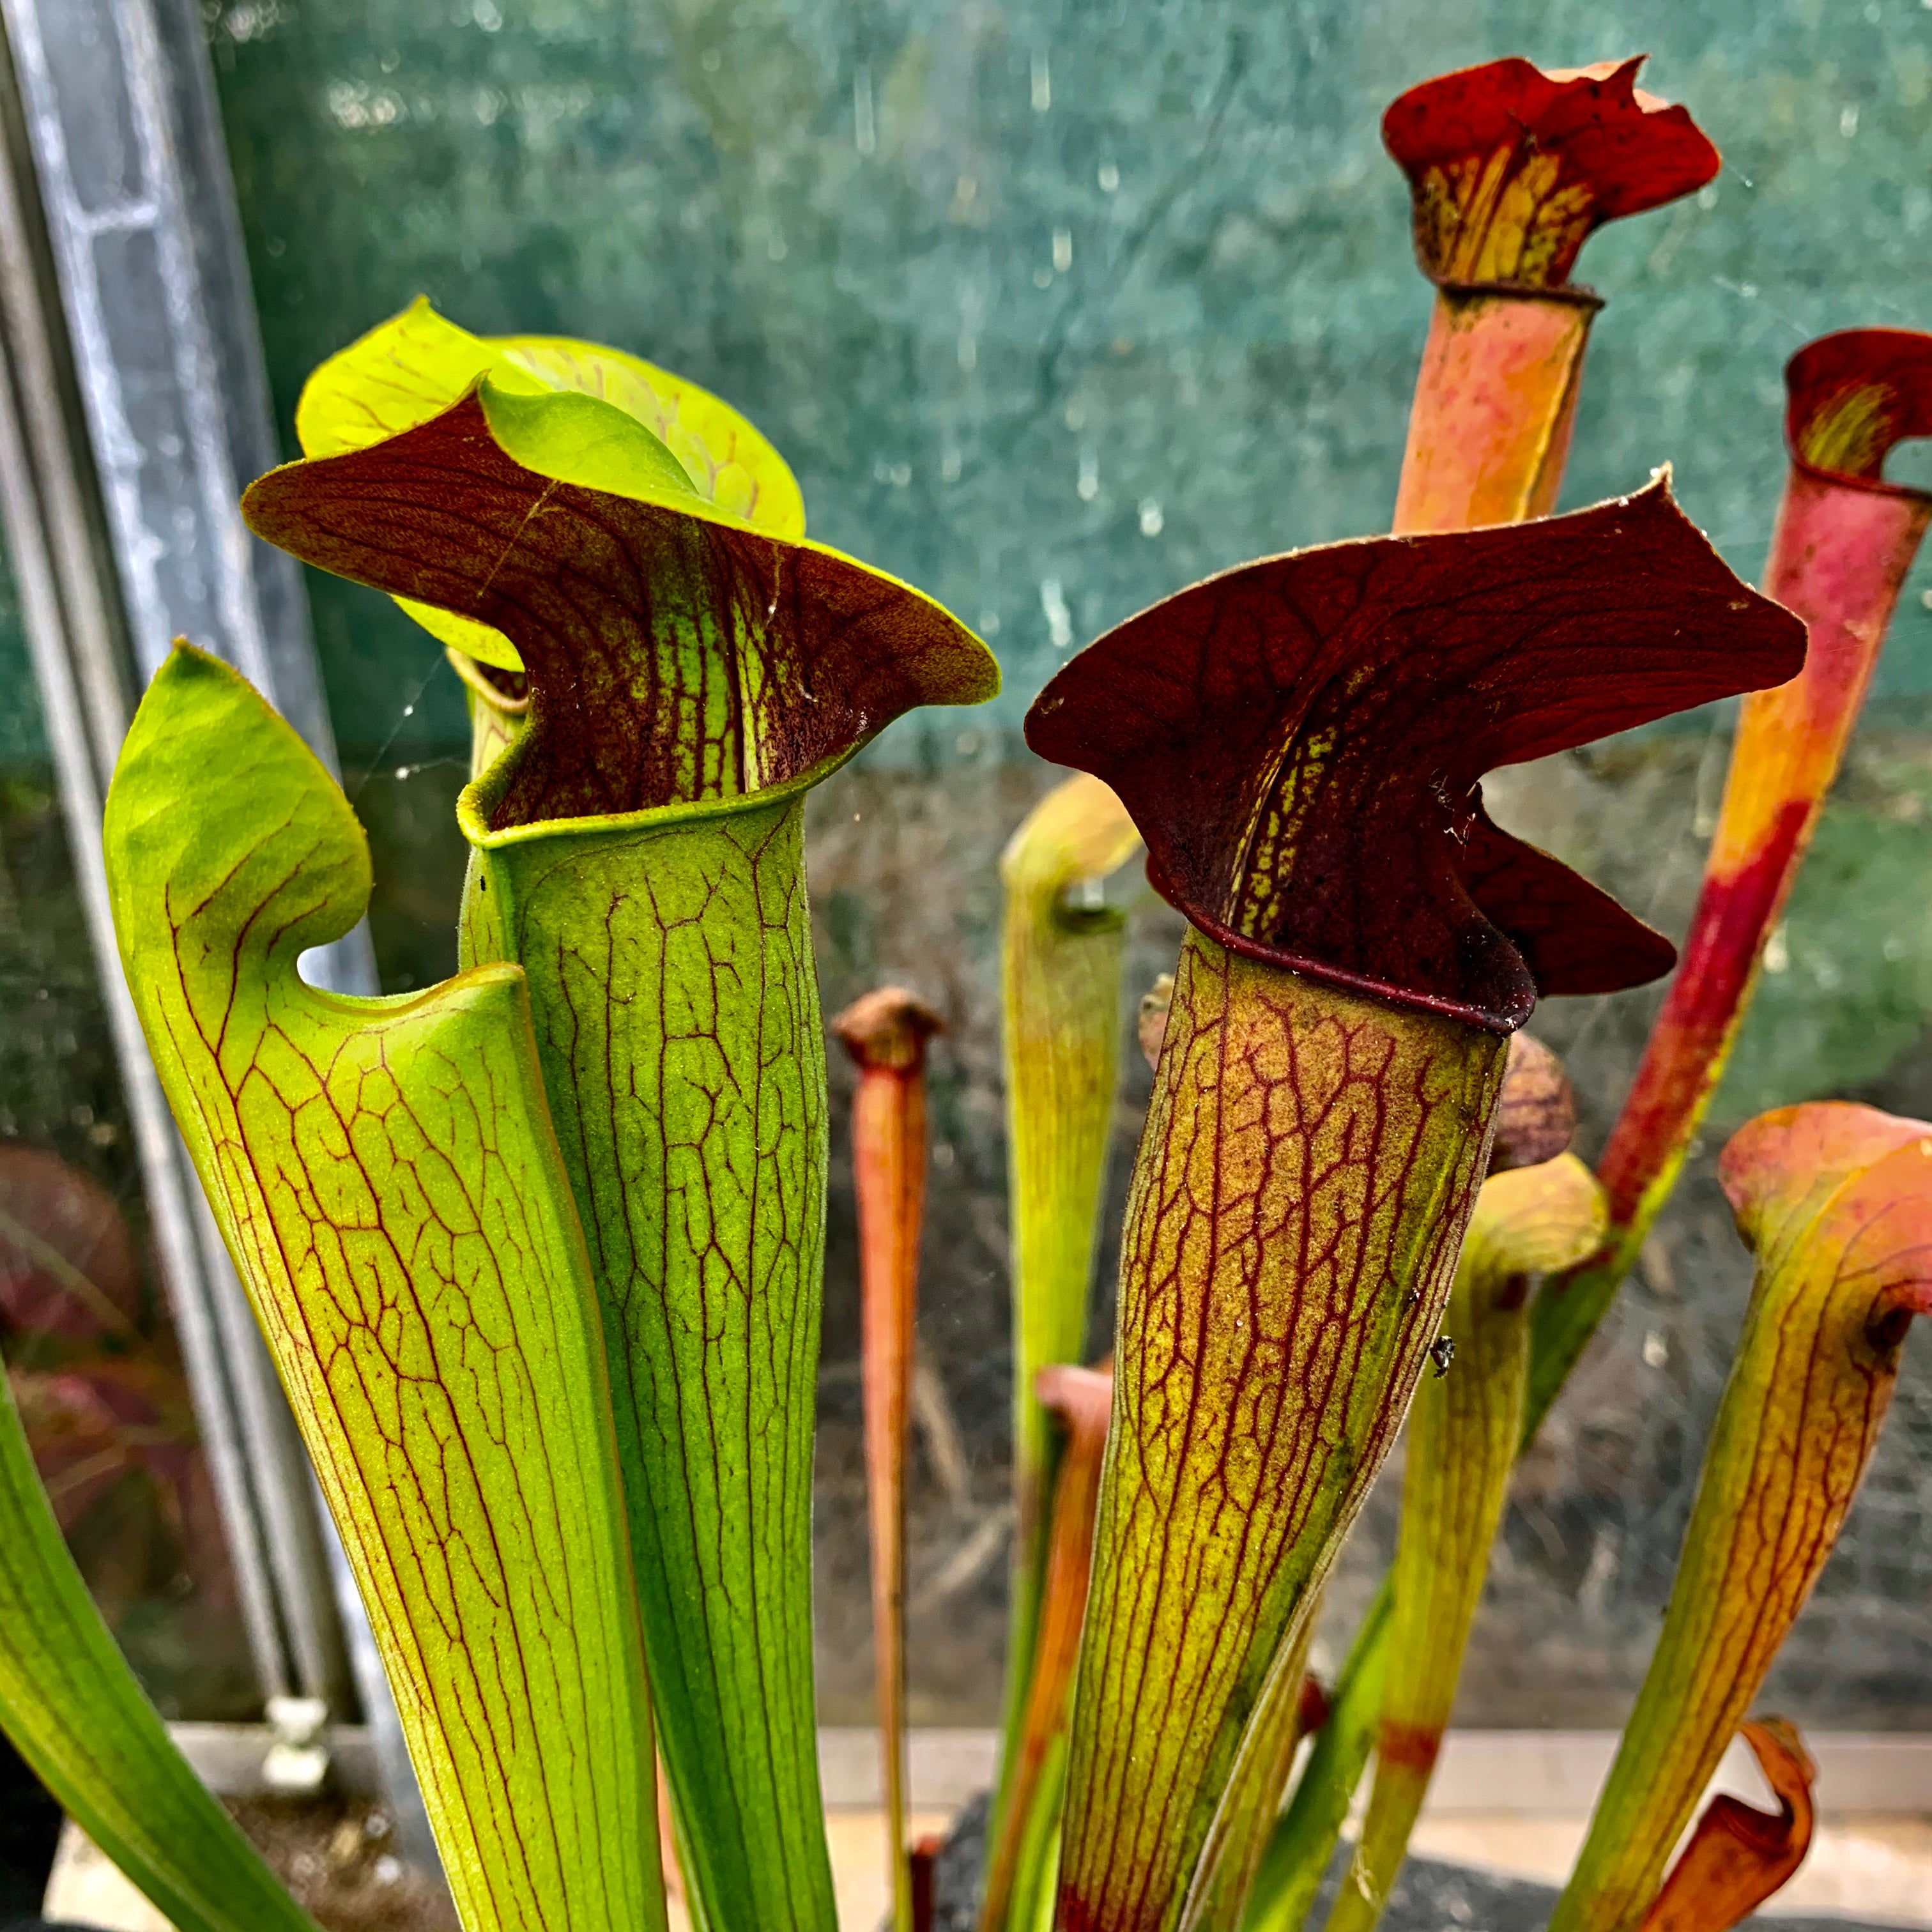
{"x": 1053, "y": 308}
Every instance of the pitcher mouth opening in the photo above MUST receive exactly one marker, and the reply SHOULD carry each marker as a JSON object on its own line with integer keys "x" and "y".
{"x": 1852, "y": 398}
{"x": 479, "y": 798}
{"x": 1563, "y": 295}
{"x": 483, "y": 680}
{"x": 1516, "y": 1014}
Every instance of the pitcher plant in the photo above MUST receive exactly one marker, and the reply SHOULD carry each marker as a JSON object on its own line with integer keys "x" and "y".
{"x": 637, "y": 853}
{"x": 1362, "y": 940}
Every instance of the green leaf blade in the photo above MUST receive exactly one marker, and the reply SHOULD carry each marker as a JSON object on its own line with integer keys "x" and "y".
{"x": 729, "y": 462}
{"x": 73, "y": 1710}
{"x": 386, "y": 1176}
{"x": 577, "y": 439}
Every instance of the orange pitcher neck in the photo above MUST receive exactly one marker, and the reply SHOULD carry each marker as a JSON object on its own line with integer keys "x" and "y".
{"x": 1496, "y": 400}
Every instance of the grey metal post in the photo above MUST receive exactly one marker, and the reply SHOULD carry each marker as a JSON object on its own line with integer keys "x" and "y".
{"x": 60, "y": 563}
{"x": 139, "y": 407}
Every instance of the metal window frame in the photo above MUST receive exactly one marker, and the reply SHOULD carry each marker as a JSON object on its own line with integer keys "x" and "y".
{"x": 133, "y": 402}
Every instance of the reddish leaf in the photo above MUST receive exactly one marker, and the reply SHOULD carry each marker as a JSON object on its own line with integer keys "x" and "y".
{"x": 1083, "y": 1400}
{"x": 1299, "y": 740}
{"x": 1513, "y": 167}
{"x": 1844, "y": 545}
{"x": 674, "y": 651}
{"x": 93, "y": 1423}
{"x": 68, "y": 1266}
{"x": 1576, "y": 938}
{"x": 1739, "y": 1856}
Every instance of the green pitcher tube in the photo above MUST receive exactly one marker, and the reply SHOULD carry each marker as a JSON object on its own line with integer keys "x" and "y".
{"x": 676, "y": 945}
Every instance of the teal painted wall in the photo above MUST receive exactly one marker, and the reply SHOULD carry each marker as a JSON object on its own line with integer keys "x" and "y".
{"x": 845, "y": 220}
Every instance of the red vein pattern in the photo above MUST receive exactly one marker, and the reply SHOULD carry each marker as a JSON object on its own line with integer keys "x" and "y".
{"x": 676, "y": 1006}
{"x": 1300, "y": 741}
{"x": 674, "y": 654}
{"x": 638, "y": 851}
{"x": 386, "y": 1177}
{"x": 1309, "y": 1157}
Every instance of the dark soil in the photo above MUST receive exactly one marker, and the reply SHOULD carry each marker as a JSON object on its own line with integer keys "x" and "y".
{"x": 955, "y": 1872}
{"x": 30, "y": 1829}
